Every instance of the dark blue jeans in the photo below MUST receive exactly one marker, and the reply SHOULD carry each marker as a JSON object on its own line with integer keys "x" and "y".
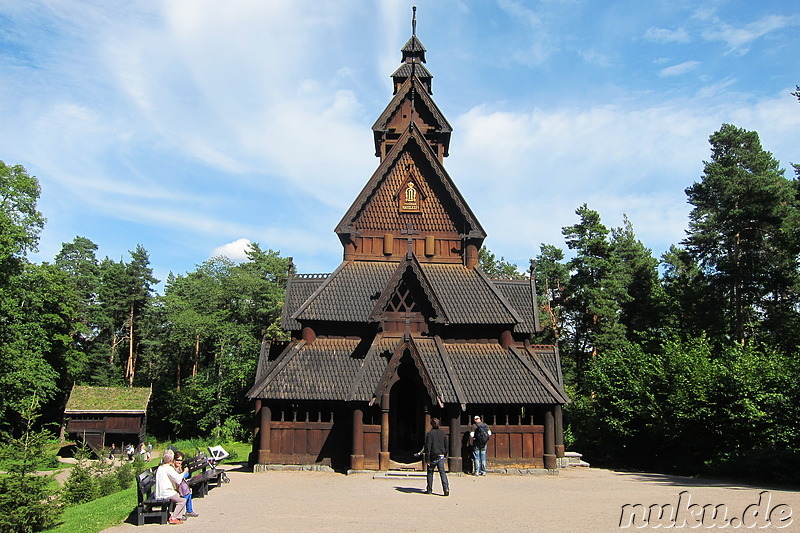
{"x": 437, "y": 462}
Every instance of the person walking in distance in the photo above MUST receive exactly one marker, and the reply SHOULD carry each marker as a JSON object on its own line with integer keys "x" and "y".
{"x": 435, "y": 453}
{"x": 480, "y": 438}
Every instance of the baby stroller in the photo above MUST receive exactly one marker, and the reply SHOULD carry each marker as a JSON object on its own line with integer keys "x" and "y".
{"x": 215, "y": 456}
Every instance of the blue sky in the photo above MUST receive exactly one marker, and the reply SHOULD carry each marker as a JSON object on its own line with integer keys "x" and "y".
{"x": 195, "y": 126}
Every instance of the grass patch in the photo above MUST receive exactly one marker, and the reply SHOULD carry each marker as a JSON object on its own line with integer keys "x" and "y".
{"x": 98, "y": 514}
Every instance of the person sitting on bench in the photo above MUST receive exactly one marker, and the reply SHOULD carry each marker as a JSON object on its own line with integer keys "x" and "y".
{"x": 184, "y": 472}
{"x": 167, "y": 482}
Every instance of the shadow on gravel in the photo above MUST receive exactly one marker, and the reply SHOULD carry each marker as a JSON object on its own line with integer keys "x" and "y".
{"x": 682, "y": 481}
{"x": 410, "y": 490}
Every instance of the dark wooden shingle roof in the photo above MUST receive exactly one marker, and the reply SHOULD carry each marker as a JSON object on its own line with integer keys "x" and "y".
{"x": 348, "y": 294}
{"x": 468, "y": 296}
{"x": 519, "y": 294}
{"x": 298, "y": 289}
{"x": 461, "y": 372}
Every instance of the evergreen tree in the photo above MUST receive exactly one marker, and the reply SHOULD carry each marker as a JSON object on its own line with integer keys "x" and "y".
{"x": 596, "y": 290}
{"x": 740, "y": 206}
{"x": 77, "y": 259}
{"x": 642, "y": 311}
{"x": 552, "y": 278}
{"x": 26, "y": 504}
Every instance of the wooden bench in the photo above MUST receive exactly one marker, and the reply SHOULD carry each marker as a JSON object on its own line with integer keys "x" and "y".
{"x": 148, "y": 505}
{"x": 202, "y": 475}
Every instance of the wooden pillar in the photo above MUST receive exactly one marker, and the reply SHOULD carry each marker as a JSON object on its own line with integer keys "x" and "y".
{"x": 357, "y": 457}
{"x": 430, "y": 245}
{"x": 383, "y": 456}
{"x": 349, "y": 250}
{"x": 549, "y": 439}
{"x": 263, "y": 436}
{"x": 559, "y": 429}
{"x": 471, "y": 256}
{"x": 454, "y": 461}
{"x": 255, "y": 442}
{"x": 506, "y": 339}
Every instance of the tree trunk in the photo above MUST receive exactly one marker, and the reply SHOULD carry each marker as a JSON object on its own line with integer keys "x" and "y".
{"x": 130, "y": 369}
{"x": 196, "y": 361}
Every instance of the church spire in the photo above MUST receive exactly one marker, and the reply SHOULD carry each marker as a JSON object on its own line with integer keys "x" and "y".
{"x": 413, "y": 57}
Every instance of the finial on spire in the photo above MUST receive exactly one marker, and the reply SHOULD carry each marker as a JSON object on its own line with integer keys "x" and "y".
{"x": 414, "y": 21}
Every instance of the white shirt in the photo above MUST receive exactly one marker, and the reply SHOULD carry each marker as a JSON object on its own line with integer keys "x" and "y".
{"x": 167, "y": 481}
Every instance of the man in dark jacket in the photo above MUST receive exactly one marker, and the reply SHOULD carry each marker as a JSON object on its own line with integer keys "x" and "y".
{"x": 435, "y": 453}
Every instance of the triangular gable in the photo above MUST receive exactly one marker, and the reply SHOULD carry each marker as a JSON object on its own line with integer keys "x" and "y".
{"x": 425, "y": 100}
{"x": 410, "y": 260}
{"x": 412, "y": 139}
{"x": 394, "y": 364}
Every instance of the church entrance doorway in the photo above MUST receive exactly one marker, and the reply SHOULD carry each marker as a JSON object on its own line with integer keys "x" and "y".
{"x": 407, "y": 401}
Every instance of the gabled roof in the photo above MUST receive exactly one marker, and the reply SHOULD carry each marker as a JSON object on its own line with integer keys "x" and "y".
{"x": 411, "y": 139}
{"x": 298, "y": 288}
{"x": 336, "y": 369}
{"x": 435, "y": 394}
{"x": 403, "y": 93}
{"x": 406, "y": 70}
{"x": 84, "y": 399}
{"x": 348, "y": 294}
{"x": 409, "y": 261}
{"x": 548, "y": 358}
{"x": 468, "y": 296}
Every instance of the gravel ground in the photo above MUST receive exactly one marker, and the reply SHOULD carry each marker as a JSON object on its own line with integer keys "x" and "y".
{"x": 577, "y": 500}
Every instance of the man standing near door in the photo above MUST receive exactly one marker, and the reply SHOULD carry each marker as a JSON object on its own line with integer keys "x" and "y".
{"x": 435, "y": 453}
{"x": 480, "y": 437}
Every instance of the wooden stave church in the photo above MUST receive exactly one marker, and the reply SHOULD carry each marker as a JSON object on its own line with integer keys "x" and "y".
{"x": 408, "y": 327}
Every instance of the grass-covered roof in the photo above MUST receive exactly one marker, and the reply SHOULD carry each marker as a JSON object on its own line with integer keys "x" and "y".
{"x": 85, "y": 398}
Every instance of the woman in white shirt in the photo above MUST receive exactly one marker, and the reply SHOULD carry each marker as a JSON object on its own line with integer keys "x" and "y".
{"x": 167, "y": 481}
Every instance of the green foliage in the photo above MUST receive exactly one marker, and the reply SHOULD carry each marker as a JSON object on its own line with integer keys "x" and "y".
{"x": 735, "y": 233}
{"x": 26, "y": 503}
{"x": 213, "y": 321}
{"x": 20, "y": 222}
{"x": 691, "y": 408}
{"x": 498, "y": 268}
{"x": 91, "y": 479}
{"x": 595, "y": 292}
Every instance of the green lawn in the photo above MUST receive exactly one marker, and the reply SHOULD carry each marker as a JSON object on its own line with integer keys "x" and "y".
{"x": 114, "y": 509}
{"x": 98, "y": 514}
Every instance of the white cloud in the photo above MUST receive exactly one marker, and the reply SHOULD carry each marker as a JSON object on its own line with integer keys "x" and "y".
{"x": 679, "y": 69}
{"x": 737, "y": 38}
{"x": 525, "y": 172}
{"x": 593, "y": 57}
{"x": 663, "y": 35}
{"x": 235, "y": 251}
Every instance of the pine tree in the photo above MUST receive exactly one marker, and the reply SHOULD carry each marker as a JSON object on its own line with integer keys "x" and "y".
{"x": 740, "y": 206}
{"x": 596, "y": 290}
